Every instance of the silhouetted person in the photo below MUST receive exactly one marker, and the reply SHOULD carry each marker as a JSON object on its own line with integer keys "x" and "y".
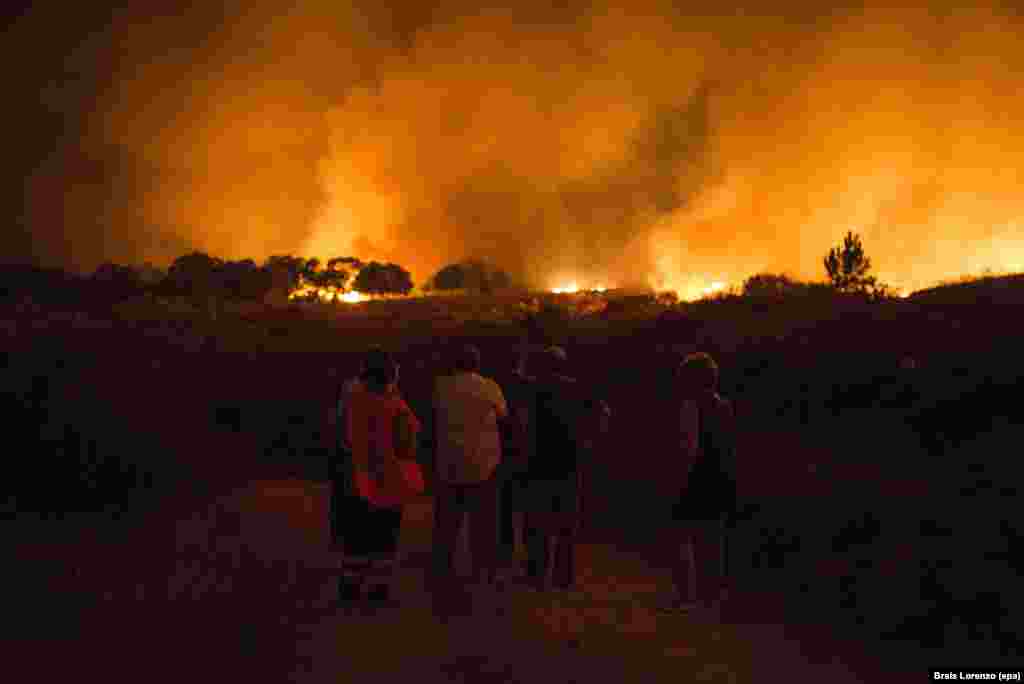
{"x": 375, "y": 426}
{"x": 564, "y": 433}
{"x": 467, "y": 408}
{"x": 517, "y": 446}
{"x": 707, "y": 440}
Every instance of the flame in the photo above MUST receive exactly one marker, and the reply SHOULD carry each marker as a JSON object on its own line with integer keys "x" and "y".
{"x": 327, "y": 295}
{"x": 713, "y": 288}
{"x": 693, "y": 289}
{"x": 574, "y": 287}
{"x": 566, "y": 289}
{"x": 353, "y": 297}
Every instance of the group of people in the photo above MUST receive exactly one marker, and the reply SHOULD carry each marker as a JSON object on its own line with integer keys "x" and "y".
{"x": 512, "y": 457}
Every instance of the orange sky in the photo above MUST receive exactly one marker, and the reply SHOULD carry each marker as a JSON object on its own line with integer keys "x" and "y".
{"x": 601, "y": 144}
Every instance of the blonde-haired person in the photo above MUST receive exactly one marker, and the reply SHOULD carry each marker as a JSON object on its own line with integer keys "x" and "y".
{"x": 708, "y": 442}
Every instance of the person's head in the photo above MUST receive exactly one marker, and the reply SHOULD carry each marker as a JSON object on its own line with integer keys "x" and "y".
{"x": 467, "y": 359}
{"x": 380, "y": 370}
{"x": 552, "y": 361}
{"x": 699, "y": 372}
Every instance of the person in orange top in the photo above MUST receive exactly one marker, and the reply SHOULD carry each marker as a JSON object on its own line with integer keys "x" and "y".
{"x": 379, "y": 428}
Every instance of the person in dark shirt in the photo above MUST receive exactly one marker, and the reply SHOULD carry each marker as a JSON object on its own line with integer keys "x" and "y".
{"x": 553, "y": 488}
{"x": 707, "y": 440}
{"x": 517, "y": 445}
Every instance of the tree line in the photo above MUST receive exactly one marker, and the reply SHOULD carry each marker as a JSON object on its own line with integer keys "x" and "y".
{"x": 201, "y": 275}
{"x": 198, "y": 274}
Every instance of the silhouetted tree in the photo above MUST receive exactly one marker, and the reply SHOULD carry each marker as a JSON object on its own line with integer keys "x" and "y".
{"x": 847, "y": 267}
{"x": 377, "y": 278}
{"x": 195, "y": 274}
{"x": 328, "y": 279}
{"x": 310, "y": 268}
{"x": 771, "y": 285}
{"x": 344, "y": 263}
{"x": 244, "y": 280}
{"x": 287, "y": 270}
{"x": 472, "y": 275}
{"x": 767, "y": 285}
{"x": 451, "y": 277}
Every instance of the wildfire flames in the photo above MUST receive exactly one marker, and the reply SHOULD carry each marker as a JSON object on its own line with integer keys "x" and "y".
{"x": 353, "y": 297}
{"x": 897, "y": 123}
{"x": 688, "y": 292}
{"x": 692, "y": 290}
{"x": 713, "y": 288}
{"x": 574, "y": 287}
{"x": 326, "y": 295}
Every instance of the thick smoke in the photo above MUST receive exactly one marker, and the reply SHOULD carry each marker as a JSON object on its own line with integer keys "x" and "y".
{"x": 598, "y": 143}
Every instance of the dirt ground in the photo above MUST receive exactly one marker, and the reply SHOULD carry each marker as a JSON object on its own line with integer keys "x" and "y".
{"x": 241, "y": 587}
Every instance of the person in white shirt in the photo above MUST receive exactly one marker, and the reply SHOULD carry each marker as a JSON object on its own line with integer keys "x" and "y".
{"x": 467, "y": 408}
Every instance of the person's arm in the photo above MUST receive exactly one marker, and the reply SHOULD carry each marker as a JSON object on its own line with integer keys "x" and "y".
{"x": 339, "y": 449}
{"x": 339, "y": 411}
{"x": 435, "y": 433}
{"x": 498, "y": 400}
{"x": 728, "y": 418}
{"x": 405, "y": 430}
{"x": 602, "y": 419}
{"x": 593, "y": 421}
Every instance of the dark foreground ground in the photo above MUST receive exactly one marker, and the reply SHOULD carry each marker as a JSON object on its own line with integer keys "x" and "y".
{"x": 239, "y": 588}
{"x": 880, "y": 532}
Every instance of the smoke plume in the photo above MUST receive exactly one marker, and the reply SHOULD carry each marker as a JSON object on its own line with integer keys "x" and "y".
{"x": 645, "y": 145}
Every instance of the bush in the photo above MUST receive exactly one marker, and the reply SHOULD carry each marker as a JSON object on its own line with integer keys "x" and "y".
{"x": 377, "y": 278}
{"x": 471, "y": 276}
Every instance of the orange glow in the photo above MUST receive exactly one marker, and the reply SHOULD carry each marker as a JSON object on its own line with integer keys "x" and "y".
{"x": 326, "y": 295}
{"x": 857, "y": 123}
{"x": 691, "y": 288}
{"x": 713, "y": 288}
{"x": 353, "y": 297}
{"x": 566, "y": 289}
{"x": 574, "y": 287}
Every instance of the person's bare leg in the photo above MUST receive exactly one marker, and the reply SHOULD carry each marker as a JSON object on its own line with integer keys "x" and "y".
{"x": 708, "y": 557}
{"x": 564, "y": 570}
{"x": 685, "y": 569}
{"x": 483, "y": 532}
{"x": 565, "y": 550}
{"x": 537, "y": 548}
{"x": 725, "y": 584}
{"x": 447, "y": 522}
{"x": 445, "y": 531}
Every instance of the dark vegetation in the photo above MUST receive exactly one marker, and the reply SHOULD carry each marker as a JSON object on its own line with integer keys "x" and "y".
{"x": 848, "y": 266}
{"x": 382, "y": 279}
{"x": 201, "y": 277}
{"x": 879, "y": 469}
{"x": 471, "y": 276}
